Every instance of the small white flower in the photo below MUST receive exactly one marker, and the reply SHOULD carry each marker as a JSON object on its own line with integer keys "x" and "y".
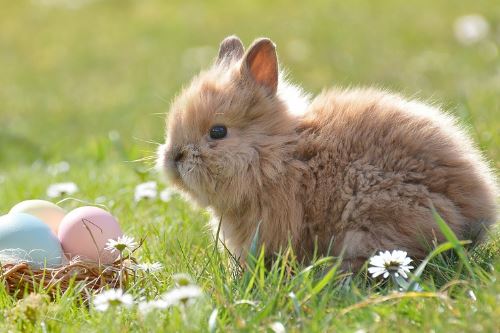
{"x": 470, "y": 29}
{"x": 149, "y": 306}
{"x": 387, "y": 263}
{"x": 150, "y": 267}
{"x": 60, "y": 189}
{"x": 277, "y": 327}
{"x": 176, "y": 296}
{"x": 182, "y": 279}
{"x": 58, "y": 168}
{"x": 147, "y": 190}
{"x": 121, "y": 244}
{"x": 112, "y": 298}
{"x": 182, "y": 295}
{"x": 166, "y": 194}
{"x": 472, "y": 295}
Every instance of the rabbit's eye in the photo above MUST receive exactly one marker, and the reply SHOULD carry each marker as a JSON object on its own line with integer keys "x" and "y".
{"x": 218, "y": 132}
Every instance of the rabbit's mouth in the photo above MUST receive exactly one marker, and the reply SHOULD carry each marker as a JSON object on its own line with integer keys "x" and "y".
{"x": 168, "y": 165}
{"x": 179, "y": 165}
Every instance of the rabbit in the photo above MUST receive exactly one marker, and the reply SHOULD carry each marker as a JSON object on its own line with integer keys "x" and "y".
{"x": 349, "y": 173}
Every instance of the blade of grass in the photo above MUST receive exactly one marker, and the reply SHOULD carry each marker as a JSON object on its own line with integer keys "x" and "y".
{"x": 323, "y": 282}
{"x": 420, "y": 269}
{"x": 452, "y": 238}
{"x": 251, "y": 262}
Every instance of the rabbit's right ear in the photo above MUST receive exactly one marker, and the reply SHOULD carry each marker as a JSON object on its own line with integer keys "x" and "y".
{"x": 231, "y": 49}
{"x": 261, "y": 64}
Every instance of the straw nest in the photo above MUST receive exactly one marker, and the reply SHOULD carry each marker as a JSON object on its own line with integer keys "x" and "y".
{"x": 88, "y": 277}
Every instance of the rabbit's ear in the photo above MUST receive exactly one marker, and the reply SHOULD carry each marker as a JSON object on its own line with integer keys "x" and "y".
{"x": 261, "y": 64}
{"x": 231, "y": 49}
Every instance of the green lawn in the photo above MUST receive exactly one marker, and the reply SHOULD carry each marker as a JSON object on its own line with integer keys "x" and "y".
{"x": 89, "y": 81}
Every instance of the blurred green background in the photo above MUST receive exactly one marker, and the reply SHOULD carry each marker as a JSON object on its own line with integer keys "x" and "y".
{"x": 74, "y": 71}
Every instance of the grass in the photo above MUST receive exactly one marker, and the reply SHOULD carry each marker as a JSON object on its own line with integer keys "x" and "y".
{"x": 89, "y": 85}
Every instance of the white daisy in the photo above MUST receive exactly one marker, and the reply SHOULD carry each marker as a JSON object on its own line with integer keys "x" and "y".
{"x": 470, "y": 29}
{"x": 182, "y": 295}
{"x": 182, "y": 279}
{"x": 121, "y": 244}
{"x": 387, "y": 263}
{"x": 112, "y": 298}
{"x": 277, "y": 327}
{"x": 166, "y": 194}
{"x": 60, "y": 189}
{"x": 471, "y": 295}
{"x": 147, "y": 190}
{"x": 149, "y": 306}
{"x": 150, "y": 267}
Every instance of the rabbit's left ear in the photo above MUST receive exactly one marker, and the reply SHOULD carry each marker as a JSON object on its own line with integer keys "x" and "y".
{"x": 261, "y": 64}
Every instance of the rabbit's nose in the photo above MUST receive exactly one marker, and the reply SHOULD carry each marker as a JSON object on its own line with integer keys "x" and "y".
{"x": 178, "y": 156}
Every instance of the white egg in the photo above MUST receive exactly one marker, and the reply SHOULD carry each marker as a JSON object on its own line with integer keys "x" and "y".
{"x": 50, "y": 213}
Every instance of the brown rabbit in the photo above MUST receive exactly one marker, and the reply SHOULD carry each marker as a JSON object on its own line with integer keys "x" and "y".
{"x": 357, "y": 171}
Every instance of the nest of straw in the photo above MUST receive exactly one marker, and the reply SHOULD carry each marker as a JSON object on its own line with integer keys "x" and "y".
{"x": 90, "y": 277}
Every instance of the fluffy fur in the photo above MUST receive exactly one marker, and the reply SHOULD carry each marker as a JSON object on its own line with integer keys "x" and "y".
{"x": 357, "y": 172}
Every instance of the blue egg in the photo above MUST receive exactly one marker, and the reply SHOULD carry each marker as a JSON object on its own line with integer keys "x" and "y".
{"x": 26, "y": 238}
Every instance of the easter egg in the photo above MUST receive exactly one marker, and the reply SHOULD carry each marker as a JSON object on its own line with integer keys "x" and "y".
{"x": 46, "y": 211}
{"x": 25, "y": 238}
{"x": 84, "y": 232}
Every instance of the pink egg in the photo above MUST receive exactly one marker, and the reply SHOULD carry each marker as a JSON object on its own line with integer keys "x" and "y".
{"x": 84, "y": 232}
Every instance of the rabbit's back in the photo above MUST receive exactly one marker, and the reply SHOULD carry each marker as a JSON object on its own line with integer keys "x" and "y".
{"x": 377, "y": 163}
